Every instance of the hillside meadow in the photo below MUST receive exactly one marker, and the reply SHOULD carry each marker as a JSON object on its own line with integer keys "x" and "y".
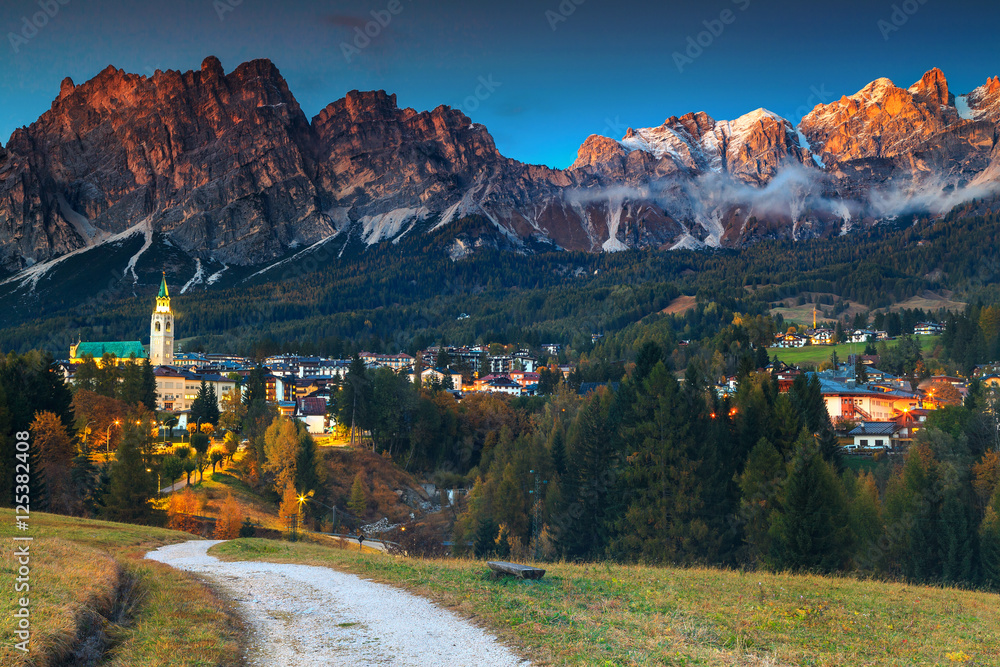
{"x": 611, "y": 614}
{"x": 817, "y": 354}
{"x": 92, "y": 594}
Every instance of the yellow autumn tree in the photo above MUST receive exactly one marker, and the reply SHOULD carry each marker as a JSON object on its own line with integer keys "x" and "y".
{"x": 281, "y": 450}
{"x": 289, "y": 506}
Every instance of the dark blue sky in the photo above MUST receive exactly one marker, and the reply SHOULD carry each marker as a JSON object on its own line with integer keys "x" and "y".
{"x": 606, "y": 66}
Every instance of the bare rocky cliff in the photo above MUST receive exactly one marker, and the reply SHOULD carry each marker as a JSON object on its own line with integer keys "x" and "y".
{"x": 227, "y": 168}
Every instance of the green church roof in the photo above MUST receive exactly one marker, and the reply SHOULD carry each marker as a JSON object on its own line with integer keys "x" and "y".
{"x": 121, "y": 349}
{"x": 163, "y": 286}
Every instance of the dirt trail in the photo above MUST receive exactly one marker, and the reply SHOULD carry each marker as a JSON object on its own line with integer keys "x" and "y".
{"x": 302, "y": 615}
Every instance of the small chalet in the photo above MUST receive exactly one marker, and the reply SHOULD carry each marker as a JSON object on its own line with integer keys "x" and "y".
{"x": 874, "y": 435}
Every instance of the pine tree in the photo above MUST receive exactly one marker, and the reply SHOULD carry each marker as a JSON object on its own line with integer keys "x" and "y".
{"x": 662, "y": 521}
{"x": 85, "y": 477}
{"x": 131, "y": 487}
{"x": 200, "y": 443}
{"x": 867, "y": 526}
{"x": 557, "y": 448}
{"x": 590, "y": 478}
{"x": 989, "y": 545}
{"x": 760, "y": 487}
{"x": 959, "y": 543}
{"x": 86, "y": 374}
{"x": 485, "y": 541}
{"x": 108, "y": 376}
{"x": 130, "y": 388}
{"x": 308, "y": 463}
{"x": 200, "y": 405}
{"x": 147, "y": 395}
{"x": 211, "y": 406}
{"x": 810, "y": 529}
{"x": 256, "y": 389}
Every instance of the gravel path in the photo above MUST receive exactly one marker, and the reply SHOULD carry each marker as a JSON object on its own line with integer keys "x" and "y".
{"x": 301, "y": 615}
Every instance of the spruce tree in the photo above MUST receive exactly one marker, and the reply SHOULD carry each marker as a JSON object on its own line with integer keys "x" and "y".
{"x": 131, "y": 487}
{"x": 959, "y": 539}
{"x": 211, "y": 405}
{"x": 484, "y": 543}
{"x": 810, "y": 529}
{"x": 557, "y": 448}
{"x": 147, "y": 394}
{"x": 989, "y": 545}
{"x": 661, "y": 480}
{"x": 760, "y": 486}
{"x": 590, "y": 478}
{"x": 922, "y": 560}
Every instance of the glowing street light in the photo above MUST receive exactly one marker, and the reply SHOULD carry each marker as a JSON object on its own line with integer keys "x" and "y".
{"x": 107, "y": 440}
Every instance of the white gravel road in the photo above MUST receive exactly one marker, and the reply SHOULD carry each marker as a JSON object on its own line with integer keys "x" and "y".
{"x": 301, "y": 615}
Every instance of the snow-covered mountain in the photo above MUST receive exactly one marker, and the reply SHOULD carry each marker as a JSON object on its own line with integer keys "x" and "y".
{"x": 225, "y": 170}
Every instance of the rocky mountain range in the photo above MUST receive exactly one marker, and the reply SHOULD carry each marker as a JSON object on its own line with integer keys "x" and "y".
{"x": 227, "y": 169}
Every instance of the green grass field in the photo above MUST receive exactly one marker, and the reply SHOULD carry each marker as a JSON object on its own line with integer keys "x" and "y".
{"x": 817, "y": 354}
{"x": 610, "y": 614}
{"x": 77, "y": 567}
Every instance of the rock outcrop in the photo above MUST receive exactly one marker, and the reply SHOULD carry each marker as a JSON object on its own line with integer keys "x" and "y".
{"x": 219, "y": 162}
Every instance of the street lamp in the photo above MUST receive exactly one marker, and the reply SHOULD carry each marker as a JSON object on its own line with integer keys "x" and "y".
{"x": 304, "y": 498}
{"x": 150, "y": 470}
{"x": 86, "y": 432}
{"x": 107, "y": 443}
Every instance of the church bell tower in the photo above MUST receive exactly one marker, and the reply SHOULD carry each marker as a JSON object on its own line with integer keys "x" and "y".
{"x": 161, "y": 329}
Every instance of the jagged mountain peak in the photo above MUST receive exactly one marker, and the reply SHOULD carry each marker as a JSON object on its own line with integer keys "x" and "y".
{"x": 751, "y": 148}
{"x": 226, "y": 167}
{"x": 932, "y": 89}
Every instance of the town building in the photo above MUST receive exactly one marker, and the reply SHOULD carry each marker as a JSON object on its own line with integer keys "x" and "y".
{"x": 123, "y": 351}
{"x": 820, "y": 336}
{"x": 439, "y": 376}
{"x": 874, "y": 435}
{"x": 851, "y": 401}
{"x": 311, "y": 411}
{"x": 790, "y": 339}
{"x": 396, "y": 362}
{"x": 177, "y": 388}
{"x": 928, "y": 329}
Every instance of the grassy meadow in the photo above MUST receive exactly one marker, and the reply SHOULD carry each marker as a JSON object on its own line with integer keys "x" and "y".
{"x": 817, "y": 354}
{"x": 89, "y": 574}
{"x": 608, "y": 614}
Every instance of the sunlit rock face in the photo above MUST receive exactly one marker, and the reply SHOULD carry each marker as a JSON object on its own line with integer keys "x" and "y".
{"x": 227, "y": 167}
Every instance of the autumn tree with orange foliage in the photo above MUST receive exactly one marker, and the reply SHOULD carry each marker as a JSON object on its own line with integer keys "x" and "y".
{"x": 289, "y": 508}
{"x": 55, "y": 459}
{"x": 944, "y": 392}
{"x": 227, "y": 526}
{"x": 181, "y": 510}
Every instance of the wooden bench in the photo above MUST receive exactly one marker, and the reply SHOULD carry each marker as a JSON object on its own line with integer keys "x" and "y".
{"x": 501, "y": 568}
